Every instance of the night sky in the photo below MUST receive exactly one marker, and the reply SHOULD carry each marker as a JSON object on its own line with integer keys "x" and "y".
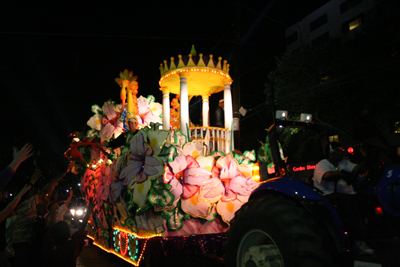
{"x": 58, "y": 59}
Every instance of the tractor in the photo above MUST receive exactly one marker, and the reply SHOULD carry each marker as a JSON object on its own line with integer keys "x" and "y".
{"x": 289, "y": 222}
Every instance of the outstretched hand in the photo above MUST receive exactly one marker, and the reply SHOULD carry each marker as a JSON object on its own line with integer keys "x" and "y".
{"x": 35, "y": 176}
{"x": 24, "y": 153}
{"x": 21, "y": 155}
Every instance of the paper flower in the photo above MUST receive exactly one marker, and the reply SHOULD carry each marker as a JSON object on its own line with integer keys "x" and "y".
{"x": 142, "y": 168}
{"x": 186, "y": 176}
{"x": 106, "y": 121}
{"x": 237, "y": 187}
{"x": 145, "y": 109}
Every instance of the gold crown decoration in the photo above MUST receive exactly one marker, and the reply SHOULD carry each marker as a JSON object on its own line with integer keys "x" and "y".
{"x": 164, "y": 68}
{"x": 197, "y": 68}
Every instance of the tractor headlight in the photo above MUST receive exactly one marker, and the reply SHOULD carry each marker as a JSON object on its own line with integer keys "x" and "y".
{"x": 256, "y": 172}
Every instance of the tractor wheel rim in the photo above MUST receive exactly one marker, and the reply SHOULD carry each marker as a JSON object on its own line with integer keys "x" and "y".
{"x": 256, "y": 249}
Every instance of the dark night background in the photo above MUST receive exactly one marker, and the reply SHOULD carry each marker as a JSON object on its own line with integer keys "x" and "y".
{"x": 58, "y": 58}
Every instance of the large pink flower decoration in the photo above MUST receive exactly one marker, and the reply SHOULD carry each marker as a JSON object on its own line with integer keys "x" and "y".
{"x": 146, "y": 113}
{"x": 142, "y": 168}
{"x": 186, "y": 177}
{"x": 237, "y": 187}
{"x": 107, "y": 120}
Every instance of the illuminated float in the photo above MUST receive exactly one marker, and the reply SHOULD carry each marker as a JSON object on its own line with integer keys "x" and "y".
{"x": 172, "y": 182}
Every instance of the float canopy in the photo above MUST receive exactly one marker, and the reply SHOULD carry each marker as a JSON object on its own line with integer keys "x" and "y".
{"x": 202, "y": 78}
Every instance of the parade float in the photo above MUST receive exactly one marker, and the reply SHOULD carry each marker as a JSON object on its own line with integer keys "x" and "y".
{"x": 173, "y": 183}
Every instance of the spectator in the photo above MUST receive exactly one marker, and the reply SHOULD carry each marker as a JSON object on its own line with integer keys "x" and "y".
{"x": 7, "y": 211}
{"x": 64, "y": 207}
{"x": 19, "y": 157}
{"x": 26, "y": 215}
{"x": 58, "y": 249}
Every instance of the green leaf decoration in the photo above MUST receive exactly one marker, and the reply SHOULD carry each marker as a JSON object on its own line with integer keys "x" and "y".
{"x": 246, "y": 158}
{"x": 150, "y": 99}
{"x": 180, "y": 138}
{"x": 97, "y": 110}
{"x": 175, "y": 217}
{"x": 160, "y": 196}
{"x": 93, "y": 133}
{"x": 126, "y": 75}
{"x": 168, "y": 153}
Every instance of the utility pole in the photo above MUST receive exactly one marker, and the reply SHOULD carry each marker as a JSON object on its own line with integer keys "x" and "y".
{"x": 236, "y": 72}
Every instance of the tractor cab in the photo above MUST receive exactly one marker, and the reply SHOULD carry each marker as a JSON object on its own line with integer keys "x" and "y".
{"x": 293, "y": 149}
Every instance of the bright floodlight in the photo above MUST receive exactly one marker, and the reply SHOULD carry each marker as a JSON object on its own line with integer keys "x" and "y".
{"x": 305, "y": 117}
{"x": 281, "y": 114}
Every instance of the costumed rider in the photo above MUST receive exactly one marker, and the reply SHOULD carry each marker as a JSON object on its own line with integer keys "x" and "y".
{"x": 219, "y": 119}
{"x": 334, "y": 176}
{"x": 123, "y": 141}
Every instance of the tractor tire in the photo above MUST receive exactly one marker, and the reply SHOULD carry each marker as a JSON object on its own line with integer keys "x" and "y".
{"x": 273, "y": 230}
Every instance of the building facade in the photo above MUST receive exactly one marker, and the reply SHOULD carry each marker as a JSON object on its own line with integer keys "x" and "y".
{"x": 336, "y": 19}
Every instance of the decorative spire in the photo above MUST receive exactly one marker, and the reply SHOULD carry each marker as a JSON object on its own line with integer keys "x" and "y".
{"x": 172, "y": 66}
{"x": 193, "y": 51}
{"x": 210, "y": 62}
{"x": 190, "y": 62}
{"x": 219, "y": 63}
{"x": 165, "y": 66}
{"x": 201, "y": 62}
{"x": 180, "y": 64}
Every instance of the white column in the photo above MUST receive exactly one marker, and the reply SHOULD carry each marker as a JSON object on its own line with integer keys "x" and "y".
{"x": 228, "y": 113}
{"x": 206, "y": 110}
{"x": 184, "y": 104}
{"x": 166, "y": 106}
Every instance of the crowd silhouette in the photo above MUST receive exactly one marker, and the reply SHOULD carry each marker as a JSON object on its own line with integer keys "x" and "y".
{"x": 32, "y": 229}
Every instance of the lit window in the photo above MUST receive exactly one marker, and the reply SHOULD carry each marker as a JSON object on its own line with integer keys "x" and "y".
{"x": 334, "y": 138}
{"x": 354, "y": 24}
{"x": 397, "y": 127}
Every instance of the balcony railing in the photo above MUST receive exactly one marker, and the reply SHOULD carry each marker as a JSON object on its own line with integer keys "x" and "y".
{"x": 213, "y": 138}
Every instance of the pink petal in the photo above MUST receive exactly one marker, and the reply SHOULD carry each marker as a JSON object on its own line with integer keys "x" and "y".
{"x": 191, "y": 162}
{"x": 197, "y": 176}
{"x": 213, "y": 189}
{"x": 228, "y": 196}
{"x": 109, "y": 111}
{"x": 178, "y": 165}
{"x": 107, "y": 131}
{"x": 189, "y": 190}
{"x": 176, "y": 189}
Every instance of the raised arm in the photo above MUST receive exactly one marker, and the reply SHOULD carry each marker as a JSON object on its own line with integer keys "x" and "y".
{"x": 11, "y": 206}
{"x": 69, "y": 198}
{"x": 49, "y": 188}
{"x": 19, "y": 157}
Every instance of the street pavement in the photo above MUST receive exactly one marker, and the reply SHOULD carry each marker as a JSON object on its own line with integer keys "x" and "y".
{"x": 93, "y": 256}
